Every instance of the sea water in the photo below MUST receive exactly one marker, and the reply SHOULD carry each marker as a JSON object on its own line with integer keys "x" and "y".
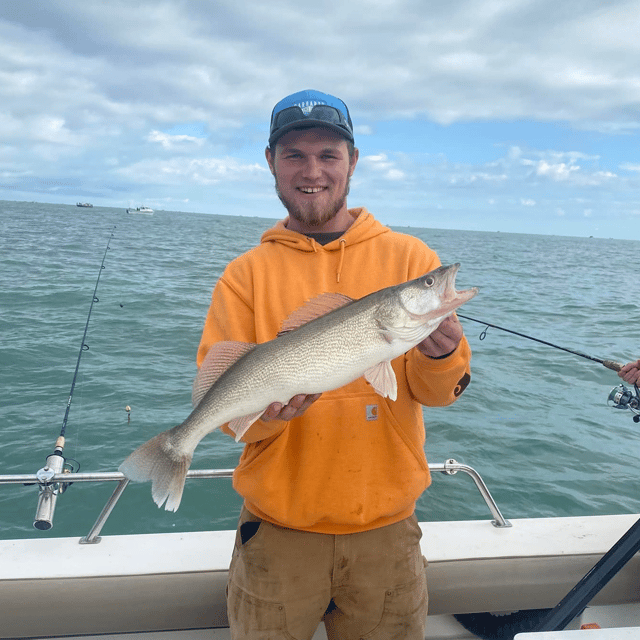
{"x": 534, "y": 420}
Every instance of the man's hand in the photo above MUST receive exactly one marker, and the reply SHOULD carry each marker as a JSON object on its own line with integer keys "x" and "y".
{"x": 444, "y": 339}
{"x": 631, "y": 372}
{"x": 293, "y": 409}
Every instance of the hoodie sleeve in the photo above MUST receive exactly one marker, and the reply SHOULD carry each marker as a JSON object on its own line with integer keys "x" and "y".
{"x": 439, "y": 382}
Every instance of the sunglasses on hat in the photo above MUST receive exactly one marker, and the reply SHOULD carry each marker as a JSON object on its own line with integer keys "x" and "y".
{"x": 310, "y": 109}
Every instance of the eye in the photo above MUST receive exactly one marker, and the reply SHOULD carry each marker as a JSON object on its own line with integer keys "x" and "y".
{"x": 429, "y": 281}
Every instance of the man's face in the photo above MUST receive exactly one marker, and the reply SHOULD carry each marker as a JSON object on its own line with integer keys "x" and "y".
{"x": 312, "y": 169}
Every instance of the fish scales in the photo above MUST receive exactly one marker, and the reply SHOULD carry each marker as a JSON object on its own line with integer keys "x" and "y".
{"x": 304, "y": 361}
{"x": 295, "y": 363}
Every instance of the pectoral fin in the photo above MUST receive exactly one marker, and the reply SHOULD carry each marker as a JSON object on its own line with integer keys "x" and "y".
{"x": 383, "y": 379}
{"x": 239, "y": 426}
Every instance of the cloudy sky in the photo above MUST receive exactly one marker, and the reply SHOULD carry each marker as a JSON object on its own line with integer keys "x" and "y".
{"x": 510, "y": 115}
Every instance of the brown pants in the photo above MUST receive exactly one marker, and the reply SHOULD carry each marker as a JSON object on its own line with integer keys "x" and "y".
{"x": 283, "y": 582}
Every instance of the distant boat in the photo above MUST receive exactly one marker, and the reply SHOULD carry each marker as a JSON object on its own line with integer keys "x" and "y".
{"x": 143, "y": 209}
{"x": 83, "y": 204}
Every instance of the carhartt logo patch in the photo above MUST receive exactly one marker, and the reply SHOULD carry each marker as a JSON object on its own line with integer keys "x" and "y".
{"x": 372, "y": 412}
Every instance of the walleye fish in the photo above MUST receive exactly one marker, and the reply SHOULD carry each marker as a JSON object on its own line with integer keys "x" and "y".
{"x": 328, "y": 343}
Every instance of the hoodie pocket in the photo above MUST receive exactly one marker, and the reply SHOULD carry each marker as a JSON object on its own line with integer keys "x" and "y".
{"x": 346, "y": 462}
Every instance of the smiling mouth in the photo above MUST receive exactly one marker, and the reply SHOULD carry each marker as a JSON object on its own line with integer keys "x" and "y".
{"x": 311, "y": 190}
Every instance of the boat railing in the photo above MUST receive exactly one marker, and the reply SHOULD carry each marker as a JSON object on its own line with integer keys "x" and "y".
{"x": 53, "y": 484}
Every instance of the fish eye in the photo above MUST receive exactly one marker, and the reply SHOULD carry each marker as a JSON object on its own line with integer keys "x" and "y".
{"x": 429, "y": 281}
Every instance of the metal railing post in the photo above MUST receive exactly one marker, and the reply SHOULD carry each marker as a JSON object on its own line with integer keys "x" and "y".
{"x": 93, "y": 536}
{"x": 451, "y": 467}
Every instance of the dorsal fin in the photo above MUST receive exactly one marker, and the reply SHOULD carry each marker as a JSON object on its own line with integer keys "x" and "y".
{"x": 218, "y": 359}
{"x": 318, "y": 306}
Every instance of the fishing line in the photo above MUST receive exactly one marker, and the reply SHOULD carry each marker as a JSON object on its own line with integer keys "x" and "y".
{"x": 84, "y": 346}
{"x": 609, "y": 364}
{"x": 80, "y": 405}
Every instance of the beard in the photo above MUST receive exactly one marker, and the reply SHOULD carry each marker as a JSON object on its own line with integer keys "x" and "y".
{"x": 312, "y": 214}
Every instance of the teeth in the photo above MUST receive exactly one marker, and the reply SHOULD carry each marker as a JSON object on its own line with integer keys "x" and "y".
{"x": 311, "y": 189}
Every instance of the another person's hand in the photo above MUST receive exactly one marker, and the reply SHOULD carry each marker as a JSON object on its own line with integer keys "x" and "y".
{"x": 293, "y": 409}
{"x": 444, "y": 339}
{"x": 631, "y": 372}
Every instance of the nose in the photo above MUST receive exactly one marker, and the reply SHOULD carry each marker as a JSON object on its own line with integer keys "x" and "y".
{"x": 311, "y": 169}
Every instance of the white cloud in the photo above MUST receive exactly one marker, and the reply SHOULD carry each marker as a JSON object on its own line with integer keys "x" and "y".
{"x": 395, "y": 174}
{"x": 562, "y": 167}
{"x": 380, "y": 161}
{"x": 362, "y": 130}
{"x": 170, "y": 142}
{"x": 381, "y": 164}
{"x": 203, "y": 171}
{"x": 492, "y": 59}
{"x": 488, "y": 177}
{"x": 515, "y": 153}
{"x": 560, "y": 171}
{"x": 600, "y": 176}
{"x": 527, "y": 202}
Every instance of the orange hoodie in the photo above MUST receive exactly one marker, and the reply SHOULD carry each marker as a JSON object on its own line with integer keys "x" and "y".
{"x": 354, "y": 461}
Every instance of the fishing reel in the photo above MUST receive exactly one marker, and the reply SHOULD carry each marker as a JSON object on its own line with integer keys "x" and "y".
{"x": 49, "y": 490}
{"x": 623, "y": 398}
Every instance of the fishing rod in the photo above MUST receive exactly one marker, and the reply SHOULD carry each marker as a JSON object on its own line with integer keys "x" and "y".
{"x": 620, "y": 397}
{"x": 56, "y": 462}
{"x": 610, "y": 364}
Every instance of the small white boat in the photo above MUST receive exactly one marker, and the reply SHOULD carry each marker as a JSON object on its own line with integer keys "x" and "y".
{"x": 143, "y": 209}
{"x": 84, "y": 204}
{"x": 172, "y": 585}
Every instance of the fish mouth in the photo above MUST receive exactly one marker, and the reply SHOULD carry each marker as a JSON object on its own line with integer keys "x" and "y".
{"x": 450, "y": 297}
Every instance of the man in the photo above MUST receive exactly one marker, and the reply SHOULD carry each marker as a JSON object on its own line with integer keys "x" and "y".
{"x": 330, "y": 482}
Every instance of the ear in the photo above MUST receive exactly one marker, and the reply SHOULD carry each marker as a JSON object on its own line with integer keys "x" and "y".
{"x": 270, "y": 160}
{"x": 353, "y": 161}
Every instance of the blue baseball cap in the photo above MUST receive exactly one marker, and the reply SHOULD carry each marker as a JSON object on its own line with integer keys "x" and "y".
{"x": 310, "y": 109}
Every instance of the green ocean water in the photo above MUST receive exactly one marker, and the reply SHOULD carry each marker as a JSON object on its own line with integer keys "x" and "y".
{"x": 534, "y": 421}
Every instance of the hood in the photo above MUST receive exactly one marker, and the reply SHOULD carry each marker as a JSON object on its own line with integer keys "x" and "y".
{"x": 365, "y": 226}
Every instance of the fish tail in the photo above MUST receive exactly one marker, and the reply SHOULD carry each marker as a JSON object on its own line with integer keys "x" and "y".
{"x": 159, "y": 461}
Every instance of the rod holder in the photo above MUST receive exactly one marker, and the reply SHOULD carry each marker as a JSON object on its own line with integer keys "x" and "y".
{"x": 49, "y": 491}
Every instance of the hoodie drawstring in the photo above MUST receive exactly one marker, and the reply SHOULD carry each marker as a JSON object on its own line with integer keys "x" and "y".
{"x": 342, "y": 246}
